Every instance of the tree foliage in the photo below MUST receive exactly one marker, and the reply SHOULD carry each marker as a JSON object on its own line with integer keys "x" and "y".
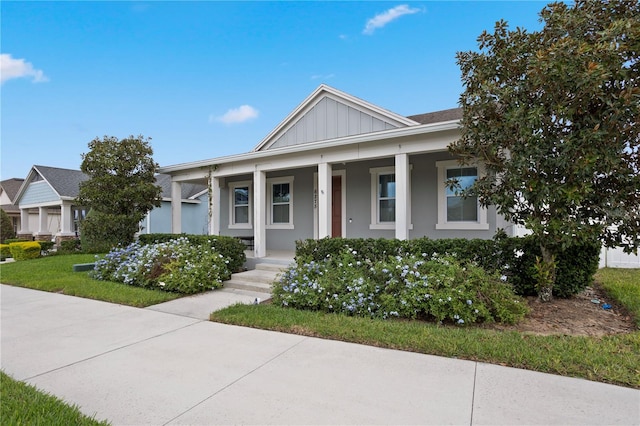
{"x": 553, "y": 116}
{"x": 120, "y": 191}
{"x": 6, "y": 226}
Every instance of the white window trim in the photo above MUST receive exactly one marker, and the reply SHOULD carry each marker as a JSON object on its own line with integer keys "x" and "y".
{"x": 480, "y": 225}
{"x": 232, "y": 213}
{"x": 270, "y": 183}
{"x": 375, "y": 217}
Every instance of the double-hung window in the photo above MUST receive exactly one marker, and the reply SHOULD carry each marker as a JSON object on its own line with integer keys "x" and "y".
{"x": 240, "y": 205}
{"x": 280, "y": 213}
{"x": 383, "y": 197}
{"x": 454, "y": 210}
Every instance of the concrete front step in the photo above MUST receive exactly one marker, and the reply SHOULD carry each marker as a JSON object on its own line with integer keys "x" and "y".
{"x": 256, "y": 280}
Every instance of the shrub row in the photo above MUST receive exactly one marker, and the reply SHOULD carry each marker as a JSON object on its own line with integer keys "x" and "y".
{"x": 512, "y": 257}
{"x": 176, "y": 265}
{"x": 230, "y": 247}
{"x": 409, "y": 286}
{"x": 25, "y": 250}
{"x": 5, "y": 251}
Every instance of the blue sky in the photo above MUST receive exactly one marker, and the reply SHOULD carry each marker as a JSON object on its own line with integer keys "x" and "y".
{"x": 207, "y": 79}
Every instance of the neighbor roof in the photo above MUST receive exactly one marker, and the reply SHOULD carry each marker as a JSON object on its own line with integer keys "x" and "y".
{"x": 11, "y": 188}
{"x": 438, "y": 116}
{"x": 189, "y": 190}
{"x": 65, "y": 182}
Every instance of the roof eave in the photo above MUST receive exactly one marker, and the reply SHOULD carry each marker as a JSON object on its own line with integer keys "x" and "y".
{"x": 366, "y": 137}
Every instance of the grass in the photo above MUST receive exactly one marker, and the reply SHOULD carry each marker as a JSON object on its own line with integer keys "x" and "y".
{"x": 55, "y": 274}
{"x": 611, "y": 359}
{"x": 23, "y": 404}
{"x": 624, "y": 286}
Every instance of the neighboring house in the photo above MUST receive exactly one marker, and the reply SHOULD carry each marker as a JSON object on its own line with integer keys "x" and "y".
{"x": 195, "y": 207}
{"x": 8, "y": 191}
{"x": 46, "y": 202}
{"x": 340, "y": 166}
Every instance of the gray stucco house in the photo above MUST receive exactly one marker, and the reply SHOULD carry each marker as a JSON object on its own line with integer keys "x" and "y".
{"x": 340, "y": 166}
{"x": 47, "y": 209}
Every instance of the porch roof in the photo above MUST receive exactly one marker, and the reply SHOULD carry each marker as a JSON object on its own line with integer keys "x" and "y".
{"x": 309, "y": 148}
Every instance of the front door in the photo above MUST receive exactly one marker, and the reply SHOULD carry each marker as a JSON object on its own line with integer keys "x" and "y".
{"x": 336, "y": 206}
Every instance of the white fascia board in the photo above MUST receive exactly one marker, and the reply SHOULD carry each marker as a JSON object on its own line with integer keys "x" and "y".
{"x": 246, "y": 163}
{"x": 43, "y": 204}
{"x": 184, "y": 201}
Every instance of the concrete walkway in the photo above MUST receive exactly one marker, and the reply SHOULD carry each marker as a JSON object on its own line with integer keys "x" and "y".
{"x": 142, "y": 366}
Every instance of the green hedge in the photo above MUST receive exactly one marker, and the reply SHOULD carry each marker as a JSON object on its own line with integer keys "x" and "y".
{"x": 230, "y": 247}
{"x": 25, "y": 251}
{"x": 5, "y": 251}
{"x": 17, "y": 240}
{"x": 46, "y": 245}
{"x": 510, "y": 256}
{"x": 69, "y": 246}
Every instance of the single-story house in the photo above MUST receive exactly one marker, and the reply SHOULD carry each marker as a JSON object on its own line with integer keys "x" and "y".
{"x": 338, "y": 166}
{"x": 8, "y": 191}
{"x": 46, "y": 202}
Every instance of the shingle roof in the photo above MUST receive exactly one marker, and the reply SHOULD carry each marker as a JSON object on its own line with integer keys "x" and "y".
{"x": 65, "y": 182}
{"x": 188, "y": 189}
{"x": 11, "y": 187}
{"x": 438, "y": 116}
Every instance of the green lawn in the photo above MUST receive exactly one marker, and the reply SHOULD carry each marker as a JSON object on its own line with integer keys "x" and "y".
{"x": 55, "y": 274}
{"x": 23, "y": 404}
{"x": 610, "y": 359}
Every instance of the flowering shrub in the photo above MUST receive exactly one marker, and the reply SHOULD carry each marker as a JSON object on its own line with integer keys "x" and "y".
{"x": 436, "y": 287}
{"x": 175, "y": 265}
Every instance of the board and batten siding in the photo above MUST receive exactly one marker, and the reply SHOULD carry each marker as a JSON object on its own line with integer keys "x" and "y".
{"x": 330, "y": 119}
{"x": 38, "y": 192}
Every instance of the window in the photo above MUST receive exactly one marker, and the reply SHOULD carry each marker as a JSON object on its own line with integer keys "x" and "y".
{"x": 383, "y": 198}
{"x": 386, "y": 195}
{"x": 461, "y": 209}
{"x": 455, "y": 211}
{"x": 240, "y": 205}
{"x": 280, "y": 202}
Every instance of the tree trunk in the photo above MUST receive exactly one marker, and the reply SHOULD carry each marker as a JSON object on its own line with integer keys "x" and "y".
{"x": 546, "y": 274}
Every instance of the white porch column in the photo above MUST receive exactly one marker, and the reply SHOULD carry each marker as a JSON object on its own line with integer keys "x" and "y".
{"x": 324, "y": 200}
{"x": 402, "y": 196}
{"x": 66, "y": 219}
{"x": 43, "y": 219}
{"x": 259, "y": 213}
{"x": 176, "y": 207}
{"x": 24, "y": 221}
{"x": 214, "y": 206}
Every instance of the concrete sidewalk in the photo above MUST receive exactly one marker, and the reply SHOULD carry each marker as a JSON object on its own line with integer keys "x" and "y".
{"x": 141, "y": 366}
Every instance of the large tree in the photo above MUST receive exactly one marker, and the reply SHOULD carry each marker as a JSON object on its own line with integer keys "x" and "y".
{"x": 554, "y": 117}
{"x": 121, "y": 189}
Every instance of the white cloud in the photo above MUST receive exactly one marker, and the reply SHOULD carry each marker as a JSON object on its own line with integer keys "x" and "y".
{"x": 382, "y": 19}
{"x": 18, "y": 68}
{"x": 236, "y": 115}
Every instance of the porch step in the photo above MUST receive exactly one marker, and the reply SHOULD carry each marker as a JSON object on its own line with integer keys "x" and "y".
{"x": 256, "y": 280}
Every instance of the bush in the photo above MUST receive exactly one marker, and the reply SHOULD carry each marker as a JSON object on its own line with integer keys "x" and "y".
{"x": 230, "y": 247}
{"x": 100, "y": 232}
{"x": 17, "y": 240}
{"x": 412, "y": 286}
{"x": 25, "y": 251}
{"x": 45, "y": 246}
{"x": 576, "y": 265}
{"x": 513, "y": 257}
{"x": 6, "y": 226}
{"x": 69, "y": 246}
{"x": 5, "y": 251}
{"x": 176, "y": 265}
